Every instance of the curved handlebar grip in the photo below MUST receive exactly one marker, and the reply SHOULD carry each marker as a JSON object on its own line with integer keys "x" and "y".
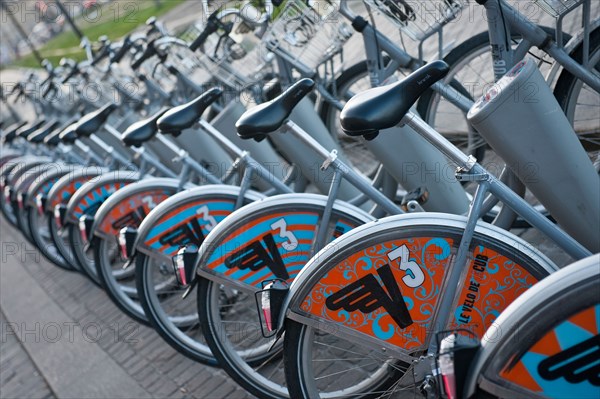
{"x": 48, "y": 89}
{"x": 18, "y": 86}
{"x": 74, "y": 71}
{"x": 212, "y": 24}
{"x": 122, "y": 51}
{"x": 149, "y": 52}
{"x": 100, "y": 55}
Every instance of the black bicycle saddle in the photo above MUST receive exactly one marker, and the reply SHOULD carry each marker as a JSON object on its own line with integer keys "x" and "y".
{"x": 39, "y": 135}
{"x": 184, "y": 116}
{"x": 142, "y": 131}
{"x": 91, "y": 123}
{"x": 270, "y": 116}
{"x": 383, "y": 107}
{"x": 27, "y": 129}
{"x": 11, "y": 131}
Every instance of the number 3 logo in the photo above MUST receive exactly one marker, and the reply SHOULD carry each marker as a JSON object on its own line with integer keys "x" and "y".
{"x": 414, "y": 274}
{"x": 203, "y": 213}
{"x": 283, "y": 233}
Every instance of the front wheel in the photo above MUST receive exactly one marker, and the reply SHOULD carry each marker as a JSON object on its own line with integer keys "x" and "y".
{"x": 580, "y": 102}
{"x": 549, "y": 341}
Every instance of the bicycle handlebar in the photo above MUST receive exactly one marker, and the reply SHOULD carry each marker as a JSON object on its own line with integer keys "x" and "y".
{"x": 212, "y": 24}
{"x": 100, "y": 55}
{"x": 74, "y": 71}
{"x": 149, "y": 52}
{"x": 122, "y": 51}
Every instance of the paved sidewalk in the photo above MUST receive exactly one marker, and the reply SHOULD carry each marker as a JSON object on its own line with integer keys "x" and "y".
{"x": 18, "y": 372}
{"x": 83, "y": 345}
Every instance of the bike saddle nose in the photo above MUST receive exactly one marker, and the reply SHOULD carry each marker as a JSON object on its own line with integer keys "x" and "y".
{"x": 142, "y": 131}
{"x": 11, "y": 131}
{"x": 53, "y": 138}
{"x": 68, "y": 135}
{"x": 270, "y": 116}
{"x": 92, "y": 122}
{"x": 383, "y": 107}
{"x": 39, "y": 135}
{"x": 27, "y": 129}
{"x": 184, "y": 116}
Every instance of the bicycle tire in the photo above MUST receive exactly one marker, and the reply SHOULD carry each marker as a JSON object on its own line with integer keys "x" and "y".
{"x": 60, "y": 238}
{"x": 124, "y": 297}
{"x": 20, "y": 190}
{"x": 37, "y": 222}
{"x": 182, "y": 334}
{"x": 173, "y": 317}
{"x": 229, "y": 323}
{"x": 82, "y": 254}
{"x": 539, "y": 353}
{"x": 10, "y": 175}
{"x": 125, "y": 208}
{"x": 369, "y": 245}
{"x": 86, "y": 201}
{"x": 573, "y": 95}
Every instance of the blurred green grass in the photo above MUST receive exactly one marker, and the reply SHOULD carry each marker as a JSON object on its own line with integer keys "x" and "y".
{"x": 114, "y": 20}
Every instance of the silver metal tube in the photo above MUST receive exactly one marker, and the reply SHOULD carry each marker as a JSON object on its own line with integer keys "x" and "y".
{"x": 365, "y": 186}
{"x": 170, "y": 145}
{"x": 88, "y": 151}
{"x": 537, "y": 220}
{"x": 438, "y": 141}
{"x": 229, "y": 146}
{"x": 460, "y": 262}
{"x": 109, "y": 150}
{"x": 201, "y": 170}
{"x": 333, "y": 190}
{"x": 159, "y": 166}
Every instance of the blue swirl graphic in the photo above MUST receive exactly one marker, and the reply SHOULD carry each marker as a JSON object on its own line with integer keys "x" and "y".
{"x": 442, "y": 244}
{"x": 381, "y": 333}
{"x": 345, "y": 315}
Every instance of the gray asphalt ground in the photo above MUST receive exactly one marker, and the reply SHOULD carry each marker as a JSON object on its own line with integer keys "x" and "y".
{"x": 62, "y": 337}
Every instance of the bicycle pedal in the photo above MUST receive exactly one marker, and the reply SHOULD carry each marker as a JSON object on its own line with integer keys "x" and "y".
{"x": 413, "y": 200}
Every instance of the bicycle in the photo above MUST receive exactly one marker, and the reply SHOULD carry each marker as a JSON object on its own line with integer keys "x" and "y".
{"x": 525, "y": 350}
{"x": 454, "y": 255}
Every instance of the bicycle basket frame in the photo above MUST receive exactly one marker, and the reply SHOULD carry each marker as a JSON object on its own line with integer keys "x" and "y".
{"x": 419, "y": 19}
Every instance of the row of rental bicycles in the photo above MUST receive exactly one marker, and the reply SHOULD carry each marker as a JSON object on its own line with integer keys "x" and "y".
{"x": 325, "y": 230}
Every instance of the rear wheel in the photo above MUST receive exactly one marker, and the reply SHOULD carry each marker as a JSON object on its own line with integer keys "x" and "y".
{"x": 83, "y": 253}
{"x": 118, "y": 283}
{"x": 60, "y": 239}
{"x": 549, "y": 341}
{"x": 41, "y": 235}
{"x": 173, "y": 317}
{"x": 228, "y": 314}
{"x": 336, "y": 353}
